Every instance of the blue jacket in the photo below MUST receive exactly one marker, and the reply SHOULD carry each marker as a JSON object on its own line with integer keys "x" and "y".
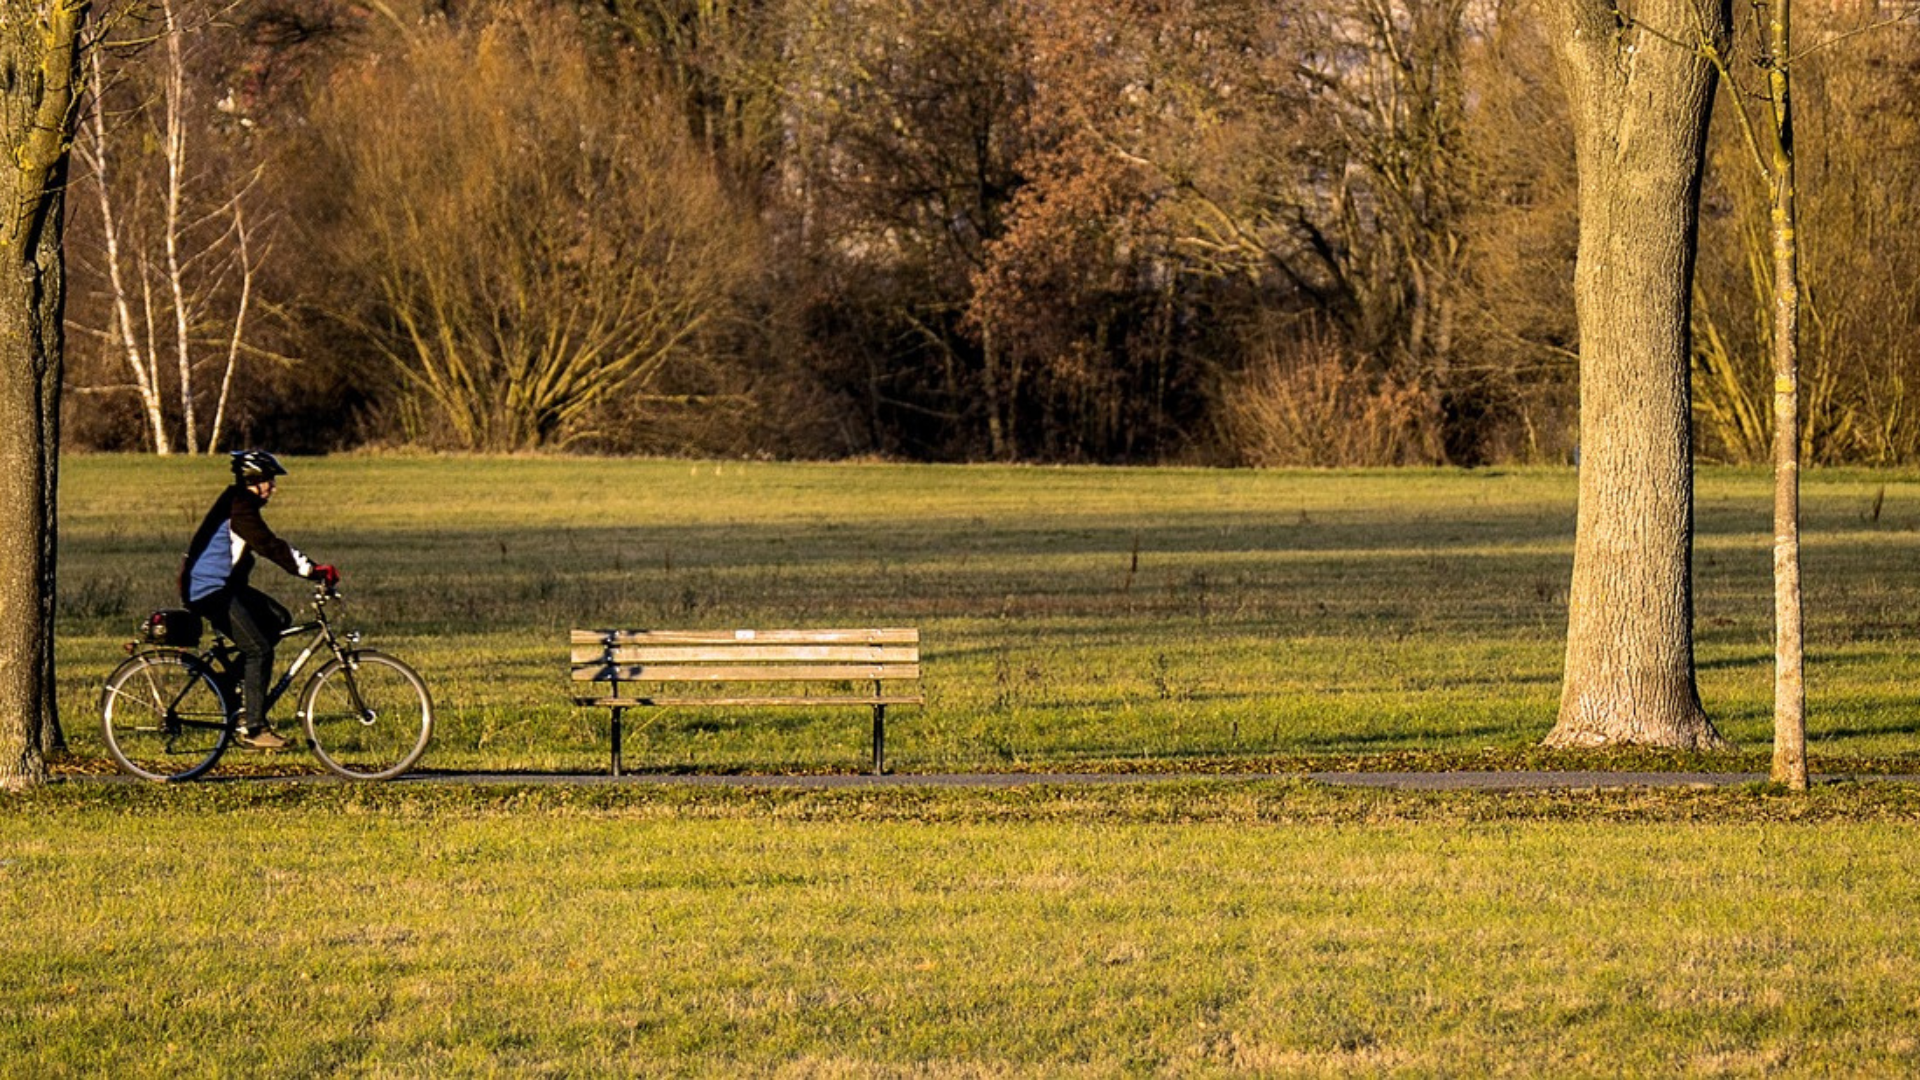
{"x": 223, "y": 549}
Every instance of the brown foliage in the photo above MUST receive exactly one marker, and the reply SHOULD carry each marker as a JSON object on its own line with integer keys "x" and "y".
{"x": 527, "y": 238}
{"x": 1026, "y": 229}
{"x": 906, "y": 123}
{"x": 1221, "y": 158}
{"x": 1060, "y": 306}
{"x": 1306, "y": 401}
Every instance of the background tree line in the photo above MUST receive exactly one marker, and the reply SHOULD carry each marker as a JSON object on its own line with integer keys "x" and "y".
{"x": 1338, "y": 232}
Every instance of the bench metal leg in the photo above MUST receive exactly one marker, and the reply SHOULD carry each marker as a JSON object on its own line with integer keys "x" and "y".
{"x": 879, "y": 740}
{"x": 616, "y": 740}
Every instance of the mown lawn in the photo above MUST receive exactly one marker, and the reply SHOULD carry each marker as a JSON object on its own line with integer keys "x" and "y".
{"x": 1206, "y": 928}
{"x": 1072, "y": 617}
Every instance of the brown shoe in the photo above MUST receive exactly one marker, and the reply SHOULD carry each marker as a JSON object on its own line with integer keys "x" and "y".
{"x": 263, "y": 739}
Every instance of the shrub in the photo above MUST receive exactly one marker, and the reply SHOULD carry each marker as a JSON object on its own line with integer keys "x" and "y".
{"x": 1308, "y": 402}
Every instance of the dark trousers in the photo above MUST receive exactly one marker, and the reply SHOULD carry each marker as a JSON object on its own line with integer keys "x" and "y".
{"x": 254, "y": 621}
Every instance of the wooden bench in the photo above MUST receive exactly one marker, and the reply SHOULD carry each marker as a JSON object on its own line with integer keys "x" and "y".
{"x": 712, "y": 668}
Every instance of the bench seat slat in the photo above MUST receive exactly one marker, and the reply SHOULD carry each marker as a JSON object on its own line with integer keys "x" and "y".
{"x": 721, "y": 668}
{"x": 730, "y": 653}
{"x": 877, "y": 636}
{"x": 649, "y": 700}
{"x": 744, "y": 672}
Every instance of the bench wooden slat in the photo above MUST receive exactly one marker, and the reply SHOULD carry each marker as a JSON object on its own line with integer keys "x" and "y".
{"x": 879, "y": 636}
{"x": 744, "y": 673}
{"x": 682, "y": 663}
{"x": 650, "y": 700}
{"x": 703, "y": 654}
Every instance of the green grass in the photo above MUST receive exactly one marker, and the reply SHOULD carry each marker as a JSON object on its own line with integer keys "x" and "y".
{"x": 1204, "y": 928}
{"x": 1072, "y": 618}
{"x": 1163, "y": 620}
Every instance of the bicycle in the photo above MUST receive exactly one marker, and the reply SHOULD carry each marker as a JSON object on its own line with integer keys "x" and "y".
{"x": 168, "y": 712}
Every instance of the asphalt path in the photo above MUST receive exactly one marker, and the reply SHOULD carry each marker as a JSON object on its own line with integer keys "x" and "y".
{"x": 1464, "y": 780}
{"x": 1403, "y": 781}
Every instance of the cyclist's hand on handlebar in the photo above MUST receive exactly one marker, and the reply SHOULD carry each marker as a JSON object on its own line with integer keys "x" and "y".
{"x": 326, "y": 575}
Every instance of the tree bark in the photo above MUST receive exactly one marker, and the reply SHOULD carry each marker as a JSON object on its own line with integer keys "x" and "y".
{"x": 1640, "y": 96}
{"x": 39, "y": 53}
{"x": 23, "y": 640}
{"x": 53, "y": 338}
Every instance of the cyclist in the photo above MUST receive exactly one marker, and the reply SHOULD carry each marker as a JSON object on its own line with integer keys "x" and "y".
{"x": 213, "y": 582}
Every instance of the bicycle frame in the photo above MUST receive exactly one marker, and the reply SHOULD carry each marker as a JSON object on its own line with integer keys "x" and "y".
{"x": 323, "y": 635}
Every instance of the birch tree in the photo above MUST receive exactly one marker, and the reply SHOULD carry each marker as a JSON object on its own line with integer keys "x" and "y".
{"x": 177, "y": 254}
{"x": 1769, "y": 142}
{"x": 1766, "y": 129}
{"x": 1789, "y": 665}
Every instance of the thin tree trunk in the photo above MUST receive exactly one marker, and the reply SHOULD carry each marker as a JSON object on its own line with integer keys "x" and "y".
{"x": 997, "y": 444}
{"x": 1640, "y": 100}
{"x": 53, "y": 339}
{"x": 176, "y": 152}
{"x": 1789, "y": 690}
{"x": 239, "y": 326}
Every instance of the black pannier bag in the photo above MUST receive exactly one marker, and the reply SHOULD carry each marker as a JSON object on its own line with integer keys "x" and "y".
{"x": 171, "y": 626}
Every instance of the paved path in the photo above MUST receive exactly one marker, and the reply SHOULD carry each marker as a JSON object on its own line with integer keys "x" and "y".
{"x": 1466, "y": 780}
{"x": 1405, "y": 781}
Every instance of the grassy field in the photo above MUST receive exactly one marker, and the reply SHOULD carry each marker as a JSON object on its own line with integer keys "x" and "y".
{"x": 1206, "y": 928}
{"x": 1072, "y": 618}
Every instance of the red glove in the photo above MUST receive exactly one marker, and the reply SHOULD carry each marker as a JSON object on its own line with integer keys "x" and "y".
{"x": 326, "y": 575}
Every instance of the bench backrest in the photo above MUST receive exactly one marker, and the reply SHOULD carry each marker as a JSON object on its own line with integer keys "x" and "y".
{"x": 722, "y": 656}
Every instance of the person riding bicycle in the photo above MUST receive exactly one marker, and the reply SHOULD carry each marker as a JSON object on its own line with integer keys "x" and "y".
{"x": 214, "y": 583}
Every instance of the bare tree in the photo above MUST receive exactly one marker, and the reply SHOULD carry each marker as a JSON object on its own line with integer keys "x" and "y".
{"x": 1789, "y": 645}
{"x": 1641, "y": 91}
{"x": 176, "y": 259}
{"x": 527, "y": 237}
{"x": 908, "y": 122}
{"x": 1316, "y": 154}
{"x": 1769, "y": 142}
{"x": 1770, "y": 146}
{"x": 40, "y": 46}
{"x": 1855, "y": 132}
{"x": 723, "y": 60}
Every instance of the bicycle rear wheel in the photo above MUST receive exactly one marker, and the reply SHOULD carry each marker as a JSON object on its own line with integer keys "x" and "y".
{"x": 164, "y": 716}
{"x": 369, "y": 718}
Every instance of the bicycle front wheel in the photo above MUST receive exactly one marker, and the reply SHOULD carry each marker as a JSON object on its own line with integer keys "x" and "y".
{"x": 368, "y": 718}
{"x": 164, "y": 716}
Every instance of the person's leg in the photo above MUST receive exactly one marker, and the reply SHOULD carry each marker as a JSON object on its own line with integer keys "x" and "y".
{"x": 216, "y": 610}
{"x": 255, "y": 621}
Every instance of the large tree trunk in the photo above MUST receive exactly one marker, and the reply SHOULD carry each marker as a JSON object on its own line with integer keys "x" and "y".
{"x": 22, "y": 508}
{"x": 1640, "y": 100}
{"x": 39, "y": 45}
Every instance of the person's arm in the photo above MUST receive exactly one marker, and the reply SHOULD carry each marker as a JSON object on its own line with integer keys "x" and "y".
{"x": 249, "y": 526}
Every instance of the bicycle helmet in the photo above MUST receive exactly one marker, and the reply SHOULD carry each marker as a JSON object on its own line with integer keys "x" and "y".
{"x": 253, "y": 466}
